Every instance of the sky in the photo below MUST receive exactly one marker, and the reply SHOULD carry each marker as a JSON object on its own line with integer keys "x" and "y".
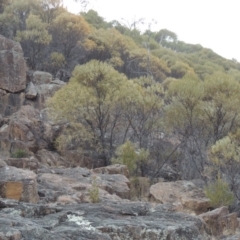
{"x": 212, "y": 23}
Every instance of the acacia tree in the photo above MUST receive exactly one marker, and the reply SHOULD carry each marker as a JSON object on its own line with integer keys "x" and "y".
{"x": 225, "y": 158}
{"x": 125, "y": 55}
{"x": 220, "y": 105}
{"x": 67, "y": 31}
{"x": 202, "y": 112}
{"x": 3, "y": 4}
{"x": 164, "y": 36}
{"x": 49, "y": 9}
{"x": 14, "y": 16}
{"x": 94, "y": 19}
{"x": 34, "y": 39}
{"x": 143, "y": 112}
{"x": 182, "y": 116}
{"x": 91, "y": 104}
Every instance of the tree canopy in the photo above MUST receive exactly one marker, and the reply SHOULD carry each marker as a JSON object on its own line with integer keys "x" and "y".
{"x": 145, "y": 92}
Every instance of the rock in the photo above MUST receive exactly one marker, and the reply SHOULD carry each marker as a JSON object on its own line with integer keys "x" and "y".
{"x": 231, "y": 237}
{"x": 185, "y": 195}
{"x": 44, "y": 91}
{"x": 77, "y": 182}
{"x": 41, "y": 77}
{"x": 18, "y": 184}
{"x": 10, "y": 102}
{"x": 78, "y": 159}
{"x": 26, "y": 130}
{"x": 102, "y": 221}
{"x": 63, "y": 75}
{"x": 5, "y": 144}
{"x": 168, "y": 173}
{"x": 220, "y": 222}
{"x": 47, "y": 90}
{"x": 5, "y": 148}
{"x": 114, "y": 184}
{"x": 31, "y": 91}
{"x": 4, "y": 130}
{"x": 11, "y": 57}
{"x": 2, "y": 163}
{"x": 58, "y": 82}
{"x": 24, "y": 163}
{"x": 113, "y": 169}
{"x": 50, "y": 159}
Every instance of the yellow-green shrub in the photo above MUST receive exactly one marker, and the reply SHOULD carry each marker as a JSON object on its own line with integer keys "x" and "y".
{"x": 219, "y": 193}
{"x": 94, "y": 192}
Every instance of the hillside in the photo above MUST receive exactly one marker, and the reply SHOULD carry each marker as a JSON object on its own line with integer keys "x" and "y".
{"x": 94, "y": 111}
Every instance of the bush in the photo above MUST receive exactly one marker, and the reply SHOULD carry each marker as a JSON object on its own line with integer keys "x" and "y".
{"x": 139, "y": 188}
{"x": 19, "y": 153}
{"x": 126, "y": 154}
{"x": 219, "y": 193}
{"x": 94, "y": 192}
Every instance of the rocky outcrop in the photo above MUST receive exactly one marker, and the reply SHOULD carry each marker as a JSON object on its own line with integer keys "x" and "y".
{"x": 24, "y": 163}
{"x": 18, "y": 184}
{"x": 72, "y": 185}
{"x": 10, "y": 102}
{"x": 113, "y": 169}
{"x": 231, "y": 237}
{"x": 77, "y": 159}
{"x": 41, "y": 92}
{"x": 220, "y": 221}
{"x": 13, "y": 67}
{"x": 50, "y": 159}
{"x": 40, "y": 77}
{"x": 185, "y": 195}
{"x": 26, "y": 130}
{"x": 31, "y": 91}
{"x": 102, "y": 221}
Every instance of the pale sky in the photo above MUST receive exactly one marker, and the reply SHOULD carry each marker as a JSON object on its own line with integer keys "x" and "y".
{"x": 212, "y": 23}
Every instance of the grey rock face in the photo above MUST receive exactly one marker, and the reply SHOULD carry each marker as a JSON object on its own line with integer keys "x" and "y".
{"x": 113, "y": 169}
{"x": 26, "y": 130}
{"x": 18, "y": 184}
{"x": 41, "y": 77}
{"x": 10, "y": 102}
{"x": 13, "y": 67}
{"x": 31, "y": 91}
{"x": 220, "y": 221}
{"x": 103, "y": 221}
{"x": 72, "y": 185}
{"x": 185, "y": 195}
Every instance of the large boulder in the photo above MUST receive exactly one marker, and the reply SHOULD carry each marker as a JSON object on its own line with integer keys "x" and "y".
{"x": 40, "y": 77}
{"x": 31, "y": 91}
{"x": 26, "y": 130}
{"x": 220, "y": 221}
{"x": 185, "y": 195}
{"x": 18, "y": 184}
{"x": 41, "y": 88}
{"x": 114, "y": 184}
{"x": 13, "y": 67}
